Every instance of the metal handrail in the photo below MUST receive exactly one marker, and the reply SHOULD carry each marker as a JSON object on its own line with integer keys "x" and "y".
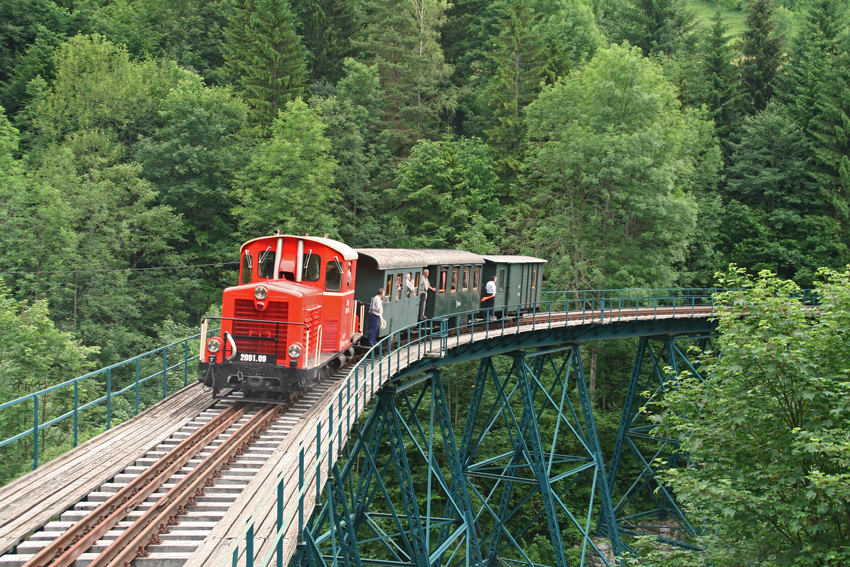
{"x": 605, "y": 308}
{"x": 76, "y": 382}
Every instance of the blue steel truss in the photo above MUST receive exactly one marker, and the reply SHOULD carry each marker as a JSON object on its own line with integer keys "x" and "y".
{"x": 527, "y": 447}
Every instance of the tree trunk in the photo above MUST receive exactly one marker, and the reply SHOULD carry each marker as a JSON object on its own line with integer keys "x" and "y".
{"x": 594, "y": 354}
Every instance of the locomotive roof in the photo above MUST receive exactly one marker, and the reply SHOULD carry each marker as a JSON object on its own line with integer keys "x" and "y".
{"x": 450, "y": 257}
{"x": 348, "y": 253}
{"x": 391, "y": 258}
{"x": 505, "y": 259}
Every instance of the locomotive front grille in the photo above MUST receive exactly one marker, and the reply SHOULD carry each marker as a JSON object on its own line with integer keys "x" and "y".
{"x": 243, "y": 330}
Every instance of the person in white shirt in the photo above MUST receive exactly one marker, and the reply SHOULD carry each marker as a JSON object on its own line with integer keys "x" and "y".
{"x": 424, "y": 286}
{"x": 489, "y": 299}
{"x": 376, "y": 316}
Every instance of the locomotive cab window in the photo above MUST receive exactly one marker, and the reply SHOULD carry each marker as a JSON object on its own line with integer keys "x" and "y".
{"x": 443, "y": 278}
{"x": 333, "y": 276}
{"x": 265, "y": 264}
{"x": 312, "y": 267}
{"x": 247, "y": 263}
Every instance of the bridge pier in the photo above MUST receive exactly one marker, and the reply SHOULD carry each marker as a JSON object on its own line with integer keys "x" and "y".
{"x": 665, "y": 360}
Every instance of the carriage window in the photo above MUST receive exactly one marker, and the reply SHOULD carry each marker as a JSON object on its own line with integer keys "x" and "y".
{"x": 475, "y": 278}
{"x": 313, "y": 268}
{"x": 443, "y": 276}
{"x": 465, "y": 286}
{"x": 388, "y": 293}
{"x": 265, "y": 265}
{"x": 501, "y": 280}
{"x": 454, "y": 281}
{"x": 247, "y": 262}
{"x": 398, "y": 287}
{"x": 333, "y": 277}
{"x": 533, "y": 279}
{"x": 407, "y": 278}
{"x": 416, "y": 282}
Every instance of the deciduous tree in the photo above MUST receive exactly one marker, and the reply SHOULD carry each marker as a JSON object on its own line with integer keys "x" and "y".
{"x": 288, "y": 184}
{"x": 608, "y": 173}
{"x": 766, "y": 436}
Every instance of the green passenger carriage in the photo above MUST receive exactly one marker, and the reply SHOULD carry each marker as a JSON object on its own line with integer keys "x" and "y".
{"x": 519, "y": 279}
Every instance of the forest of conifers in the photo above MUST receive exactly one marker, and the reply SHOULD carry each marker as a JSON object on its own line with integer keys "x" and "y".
{"x": 628, "y": 142}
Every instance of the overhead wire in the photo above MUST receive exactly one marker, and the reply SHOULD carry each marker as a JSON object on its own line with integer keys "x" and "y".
{"x": 207, "y": 265}
{"x": 122, "y": 269}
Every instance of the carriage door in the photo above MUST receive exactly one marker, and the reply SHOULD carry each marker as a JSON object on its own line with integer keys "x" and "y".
{"x": 513, "y": 290}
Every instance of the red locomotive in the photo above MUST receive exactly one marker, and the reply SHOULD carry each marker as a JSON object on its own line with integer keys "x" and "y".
{"x": 291, "y": 319}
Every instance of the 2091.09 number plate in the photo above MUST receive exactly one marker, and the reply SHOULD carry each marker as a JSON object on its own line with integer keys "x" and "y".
{"x": 255, "y": 358}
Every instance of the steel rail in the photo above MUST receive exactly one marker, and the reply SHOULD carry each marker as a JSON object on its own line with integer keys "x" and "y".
{"x": 144, "y": 531}
{"x": 64, "y": 550}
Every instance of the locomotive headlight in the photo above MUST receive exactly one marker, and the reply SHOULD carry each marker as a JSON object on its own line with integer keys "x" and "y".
{"x": 214, "y": 345}
{"x": 294, "y": 350}
{"x": 260, "y": 292}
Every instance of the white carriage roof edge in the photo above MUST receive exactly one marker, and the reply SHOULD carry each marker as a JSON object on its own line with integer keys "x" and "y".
{"x": 503, "y": 258}
{"x": 392, "y": 258}
{"x": 348, "y": 253}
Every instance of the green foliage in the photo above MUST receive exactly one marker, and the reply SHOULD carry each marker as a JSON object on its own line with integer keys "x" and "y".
{"x": 774, "y": 217}
{"x": 201, "y": 142}
{"x": 780, "y": 387}
{"x": 189, "y": 33}
{"x": 265, "y": 57}
{"x": 830, "y": 130}
{"x": 33, "y": 352}
{"x": 611, "y": 160}
{"x": 661, "y": 27}
{"x": 720, "y": 80}
{"x": 402, "y": 38}
{"x": 326, "y": 27}
{"x": 448, "y": 190}
{"x": 762, "y": 54}
{"x": 100, "y": 101}
{"x": 288, "y": 184}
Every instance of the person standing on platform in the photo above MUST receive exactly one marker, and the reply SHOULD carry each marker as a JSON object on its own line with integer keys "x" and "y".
{"x": 424, "y": 286}
{"x": 376, "y": 317}
{"x": 489, "y": 299}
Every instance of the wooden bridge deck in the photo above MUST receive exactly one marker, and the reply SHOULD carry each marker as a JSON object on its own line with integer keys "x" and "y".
{"x": 32, "y": 500}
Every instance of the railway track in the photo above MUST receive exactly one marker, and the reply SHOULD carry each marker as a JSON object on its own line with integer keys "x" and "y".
{"x": 161, "y": 507}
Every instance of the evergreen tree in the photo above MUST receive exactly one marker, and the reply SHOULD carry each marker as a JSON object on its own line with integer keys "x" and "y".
{"x": 402, "y": 37}
{"x": 265, "y": 57}
{"x": 326, "y": 27}
{"x": 812, "y": 54}
{"x": 720, "y": 79}
{"x": 830, "y": 130}
{"x": 762, "y": 55}
{"x": 517, "y": 66}
{"x": 665, "y": 27}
